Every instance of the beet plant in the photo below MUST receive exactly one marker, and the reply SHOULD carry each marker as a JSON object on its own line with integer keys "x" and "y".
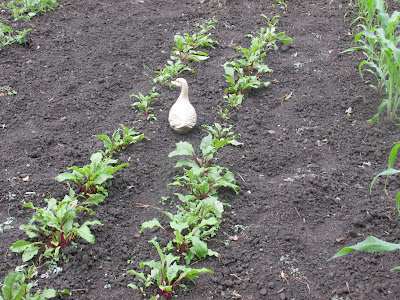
{"x": 8, "y": 36}
{"x": 145, "y": 104}
{"x": 120, "y": 139}
{"x": 15, "y": 287}
{"x": 166, "y": 275}
{"x": 204, "y": 182}
{"x": 186, "y": 241}
{"x": 19, "y": 284}
{"x": 244, "y": 73}
{"x": 224, "y": 134}
{"x": 53, "y": 228}
{"x": 27, "y": 9}
{"x": 208, "y": 146}
{"x": 185, "y": 50}
{"x": 91, "y": 178}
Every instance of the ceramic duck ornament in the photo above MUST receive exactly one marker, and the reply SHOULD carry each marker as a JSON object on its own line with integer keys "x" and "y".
{"x": 182, "y": 116}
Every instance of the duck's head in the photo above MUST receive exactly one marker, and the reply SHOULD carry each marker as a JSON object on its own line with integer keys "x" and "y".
{"x": 179, "y": 82}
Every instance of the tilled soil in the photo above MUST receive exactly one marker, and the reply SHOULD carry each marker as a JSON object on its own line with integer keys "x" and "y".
{"x": 304, "y": 169}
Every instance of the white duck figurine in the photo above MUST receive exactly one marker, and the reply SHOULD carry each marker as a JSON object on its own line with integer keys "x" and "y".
{"x": 182, "y": 116}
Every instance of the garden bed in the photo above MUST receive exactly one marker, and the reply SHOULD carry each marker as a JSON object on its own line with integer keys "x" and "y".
{"x": 304, "y": 169}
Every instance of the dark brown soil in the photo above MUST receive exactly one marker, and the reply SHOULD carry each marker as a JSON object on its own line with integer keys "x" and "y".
{"x": 304, "y": 170}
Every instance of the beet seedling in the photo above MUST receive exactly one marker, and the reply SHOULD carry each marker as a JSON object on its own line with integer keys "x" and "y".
{"x": 223, "y": 114}
{"x": 204, "y": 182}
{"x": 144, "y": 104}
{"x": 166, "y": 274}
{"x": 14, "y": 287}
{"x": 117, "y": 142}
{"x": 239, "y": 82}
{"x": 224, "y": 135}
{"x": 55, "y": 226}
{"x": 186, "y": 241}
{"x": 27, "y": 9}
{"x": 91, "y": 178}
{"x": 8, "y": 36}
{"x": 171, "y": 69}
{"x": 184, "y": 50}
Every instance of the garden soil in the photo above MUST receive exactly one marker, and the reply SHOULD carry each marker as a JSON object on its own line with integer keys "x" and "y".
{"x": 304, "y": 170}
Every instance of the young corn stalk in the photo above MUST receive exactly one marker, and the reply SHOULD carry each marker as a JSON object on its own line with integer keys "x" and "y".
{"x": 380, "y": 46}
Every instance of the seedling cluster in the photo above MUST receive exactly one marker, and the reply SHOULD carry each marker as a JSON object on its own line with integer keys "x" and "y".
{"x": 197, "y": 219}
{"x": 56, "y": 226}
{"x": 379, "y": 40}
{"x": 245, "y": 73}
{"x": 22, "y": 10}
{"x": 186, "y": 50}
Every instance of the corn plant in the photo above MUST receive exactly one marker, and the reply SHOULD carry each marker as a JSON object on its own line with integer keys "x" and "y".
{"x": 144, "y": 103}
{"x": 55, "y": 227}
{"x": 27, "y": 9}
{"x": 118, "y": 141}
{"x": 380, "y": 46}
{"x": 365, "y": 11}
{"x": 390, "y": 171}
{"x": 165, "y": 274}
{"x": 371, "y": 243}
{"x": 8, "y": 36}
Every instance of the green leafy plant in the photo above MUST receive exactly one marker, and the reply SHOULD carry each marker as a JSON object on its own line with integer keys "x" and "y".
{"x": 118, "y": 141}
{"x": 223, "y": 114}
{"x": 185, "y": 240}
{"x": 239, "y": 82}
{"x": 186, "y": 44}
{"x": 55, "y": 227}
{"x": 224, "y": 135}
{"x": 8, "y": 36}
{"x": 208, "y": 146}
{"x": 204, "y": 182}
{"x": 239, "y": 72}
{"x": 91, "y": 178}
{"x": 14, "y": 288}
{"x": 380, "y": 46}
{"x": 8, "y": 89}
{"x": 184, "y": 51}
{"x": 166, "y": 274}
{"x": 144, "y": 103}
{"x": 370, "y": 244}
{"x": 27, "y": 9}
{"x": 390, "y": 171}
{"x": 171, "y": 69}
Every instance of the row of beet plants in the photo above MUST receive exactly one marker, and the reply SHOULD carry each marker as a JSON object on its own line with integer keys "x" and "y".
{"x": 245, "y": 73}
{"x": 21, "y": 10}
{"x": 197, "y": 219}
{"x": 185, "y": 50}
{"x": 59, "y": 223}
